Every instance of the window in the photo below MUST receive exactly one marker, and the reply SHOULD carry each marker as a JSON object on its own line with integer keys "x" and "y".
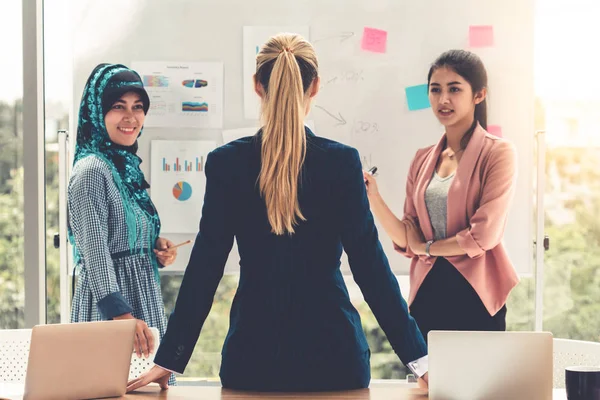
{"x": 57, "y": 101}
{"x": 206, "y": 360}
{"x": 12, "y": 285}
{"x": 566, "y": 88}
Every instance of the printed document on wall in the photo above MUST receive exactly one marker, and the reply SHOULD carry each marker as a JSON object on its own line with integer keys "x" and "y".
{"x": 254, "y": 38}
{"x": 178, "y": 182}
{"x": 183, "y": 94}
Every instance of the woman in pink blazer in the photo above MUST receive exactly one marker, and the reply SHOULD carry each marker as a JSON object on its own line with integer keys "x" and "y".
{"x": 458, "y": 193}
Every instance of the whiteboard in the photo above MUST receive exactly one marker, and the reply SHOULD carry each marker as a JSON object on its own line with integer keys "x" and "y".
{"x": 362, "y": 101}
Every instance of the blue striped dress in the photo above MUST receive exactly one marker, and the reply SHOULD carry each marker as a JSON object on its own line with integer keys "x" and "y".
{"x": 113, "y": 279}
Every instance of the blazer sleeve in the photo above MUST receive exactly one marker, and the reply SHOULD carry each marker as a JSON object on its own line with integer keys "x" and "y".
{"x": 370, "y": 266}
{"x": 409, "y": 205}
{"x": 486, "y": 226}
{"x": 88, "y": 218}
{"x": 203, "y": 273}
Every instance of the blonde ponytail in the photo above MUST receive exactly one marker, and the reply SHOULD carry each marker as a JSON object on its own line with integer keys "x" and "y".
{"x": 283, "y": 138}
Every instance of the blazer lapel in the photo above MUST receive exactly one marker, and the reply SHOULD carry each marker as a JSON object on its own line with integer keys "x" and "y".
{"x": 421, "y": 182}
{"x": 459, "y": 189}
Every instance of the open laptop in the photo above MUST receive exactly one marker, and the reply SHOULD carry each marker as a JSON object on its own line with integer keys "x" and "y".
{"x": 466, "y": 365}
{"x": 79, "y": 361}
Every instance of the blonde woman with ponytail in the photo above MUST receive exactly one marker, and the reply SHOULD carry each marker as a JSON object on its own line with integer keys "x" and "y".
{"x": 293, "y": 201}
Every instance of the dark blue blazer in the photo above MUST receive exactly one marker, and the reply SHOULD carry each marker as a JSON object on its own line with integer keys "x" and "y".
{"x": 292, "y": 325}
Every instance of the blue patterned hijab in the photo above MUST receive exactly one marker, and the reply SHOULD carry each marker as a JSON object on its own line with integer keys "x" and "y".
{"x": 106, "y": 85}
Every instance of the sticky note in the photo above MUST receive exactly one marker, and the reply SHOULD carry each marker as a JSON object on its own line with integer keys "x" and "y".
{"x": 495, "y": 130}
{"x": 481, "y": 36}
{"x": 374, "y": 40}
{"x": 417, "y": 97}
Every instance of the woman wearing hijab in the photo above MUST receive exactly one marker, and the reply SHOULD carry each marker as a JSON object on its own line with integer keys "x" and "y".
{"x": 113, "y": 224}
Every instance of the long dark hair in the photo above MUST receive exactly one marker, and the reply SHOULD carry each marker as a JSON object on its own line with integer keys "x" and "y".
{"x": 471, "y": 68}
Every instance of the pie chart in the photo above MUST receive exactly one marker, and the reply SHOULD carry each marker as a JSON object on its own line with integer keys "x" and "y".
{"x": 182, "y": 191}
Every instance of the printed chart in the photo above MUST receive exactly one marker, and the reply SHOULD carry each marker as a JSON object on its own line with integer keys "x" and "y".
{"x": 178, "y": 182}
{"x": 183, "y": 94}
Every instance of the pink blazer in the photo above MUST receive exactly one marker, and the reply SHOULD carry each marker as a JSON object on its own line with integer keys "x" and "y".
{"x": 478, "y": 203}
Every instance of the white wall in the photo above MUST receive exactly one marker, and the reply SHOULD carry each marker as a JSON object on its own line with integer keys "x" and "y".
{"x": 369, "y": 87}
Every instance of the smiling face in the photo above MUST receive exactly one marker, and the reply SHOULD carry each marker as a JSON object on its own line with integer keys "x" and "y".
{"x": 452, "y": 98}
{"x": 125, "y": 119}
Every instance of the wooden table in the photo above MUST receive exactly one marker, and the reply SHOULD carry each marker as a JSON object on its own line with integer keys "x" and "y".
{"x": 217, "y": 393}
{"x": 375, "y": 392}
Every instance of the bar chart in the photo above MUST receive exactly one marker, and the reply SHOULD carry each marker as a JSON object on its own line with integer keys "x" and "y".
{"x": 179, "y": 165}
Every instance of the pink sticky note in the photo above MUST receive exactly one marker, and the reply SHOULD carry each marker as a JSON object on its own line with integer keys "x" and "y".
{"x": 481, "y": 36}
{"x": 495, "y": 130}
{"x": 374, "y": 40}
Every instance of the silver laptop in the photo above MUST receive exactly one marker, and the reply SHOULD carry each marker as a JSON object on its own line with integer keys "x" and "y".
{"x": 79, "y": 361}
{"x": 490, "y": 365}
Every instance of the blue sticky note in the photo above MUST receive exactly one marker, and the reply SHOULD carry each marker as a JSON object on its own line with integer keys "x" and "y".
{"x": 417, "y": 97}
